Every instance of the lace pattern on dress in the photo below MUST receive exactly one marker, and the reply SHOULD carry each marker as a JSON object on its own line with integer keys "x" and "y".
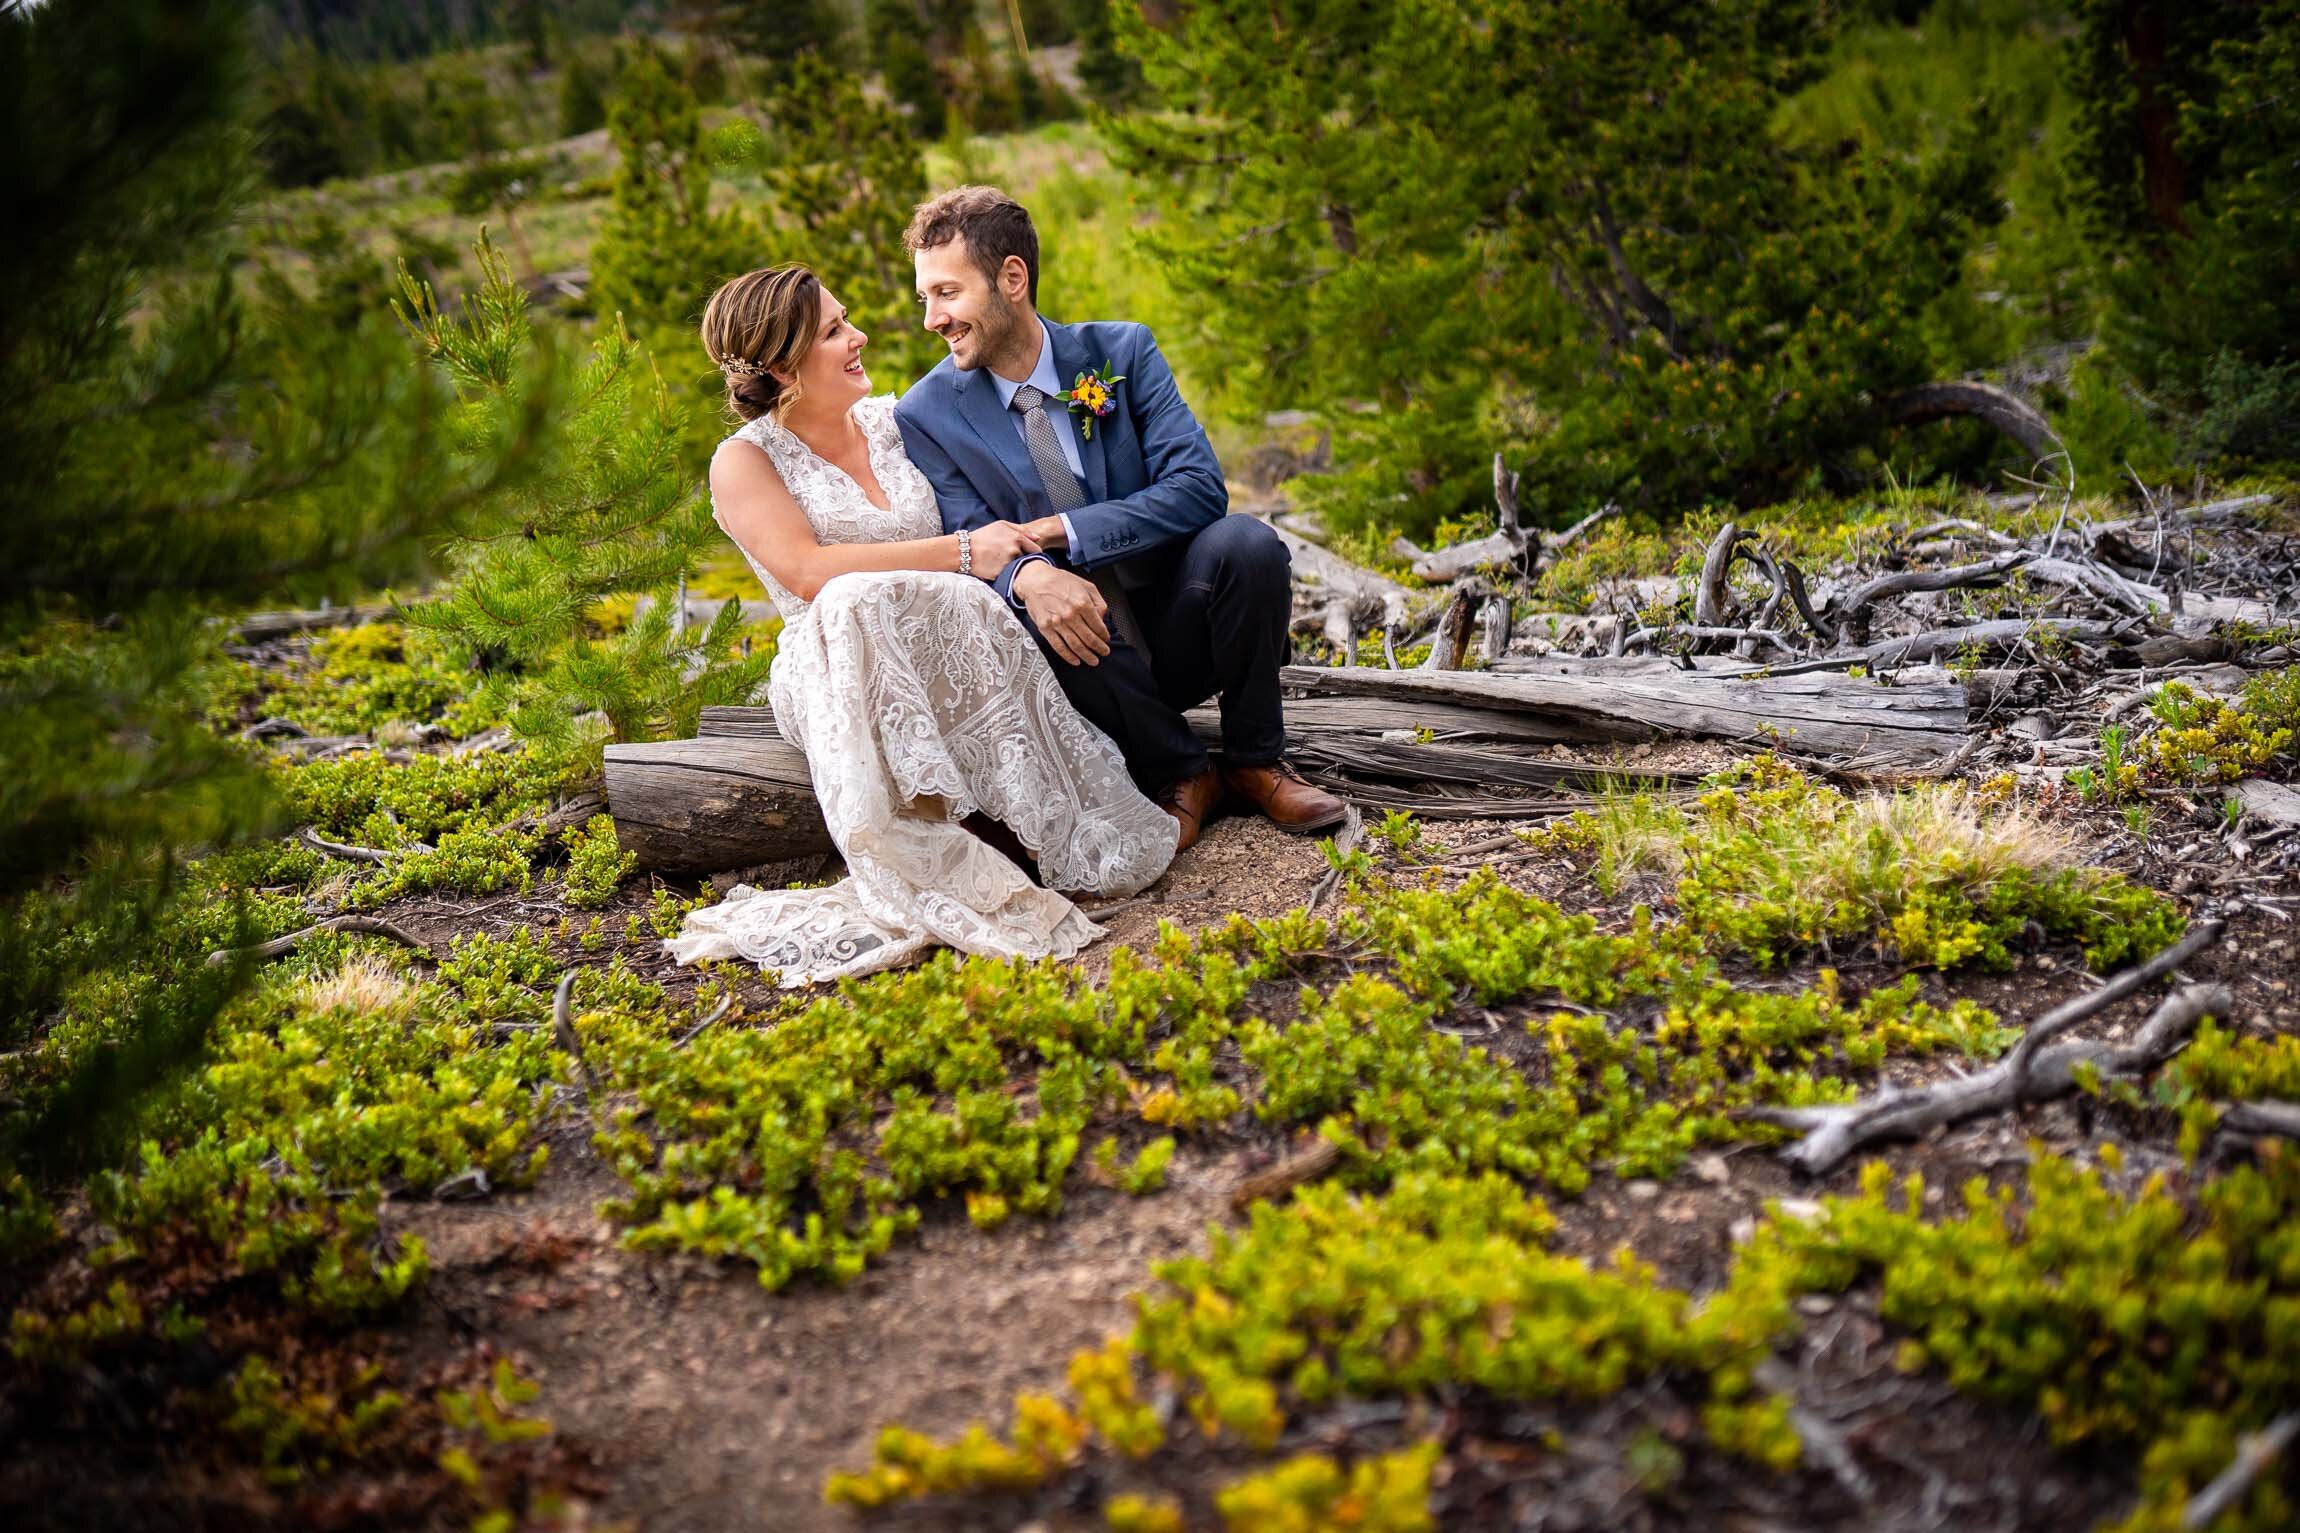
{"x": 919, "y": 698}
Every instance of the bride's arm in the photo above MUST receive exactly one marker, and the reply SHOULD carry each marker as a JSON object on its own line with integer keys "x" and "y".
{"x": 757, "y": 511}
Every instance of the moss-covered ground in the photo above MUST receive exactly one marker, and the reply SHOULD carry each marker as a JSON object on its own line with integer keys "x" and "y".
{"x": 955, "y": 1247}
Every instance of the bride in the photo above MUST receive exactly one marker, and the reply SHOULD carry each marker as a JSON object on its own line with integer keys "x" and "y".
{"x": 917, "y": 695}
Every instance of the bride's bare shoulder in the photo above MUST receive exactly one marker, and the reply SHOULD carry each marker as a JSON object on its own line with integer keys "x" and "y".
{"x": 741, "y": 464}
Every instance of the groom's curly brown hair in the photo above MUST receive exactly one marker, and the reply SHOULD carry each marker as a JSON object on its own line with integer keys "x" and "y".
{"x": 993, "y": 225}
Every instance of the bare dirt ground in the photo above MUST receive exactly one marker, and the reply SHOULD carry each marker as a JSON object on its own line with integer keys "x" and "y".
{"x": 706, "y": 1403}
{"x": 691, "y": 1399}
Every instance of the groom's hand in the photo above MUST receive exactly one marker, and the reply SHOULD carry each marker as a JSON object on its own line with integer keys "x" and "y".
{"x": 1069, "y": 613}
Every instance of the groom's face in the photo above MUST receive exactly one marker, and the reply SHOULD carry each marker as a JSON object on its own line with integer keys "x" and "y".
{"x": 977, "y": 321}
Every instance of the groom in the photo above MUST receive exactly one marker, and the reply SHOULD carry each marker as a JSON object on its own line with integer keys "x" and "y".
{"x": 1150, "y": 597}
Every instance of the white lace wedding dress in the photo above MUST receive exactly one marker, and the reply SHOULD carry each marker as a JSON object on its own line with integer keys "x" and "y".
{"x": 919, "y": 698}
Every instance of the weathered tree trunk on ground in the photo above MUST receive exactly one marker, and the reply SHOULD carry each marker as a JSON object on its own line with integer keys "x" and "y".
{"x": 1821, "y": 712}
{"x": 736, "y": 795}
{"x": 739, "y": 794}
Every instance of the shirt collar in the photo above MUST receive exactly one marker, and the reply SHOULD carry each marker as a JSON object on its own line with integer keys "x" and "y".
{"x": 1042, "y": 377}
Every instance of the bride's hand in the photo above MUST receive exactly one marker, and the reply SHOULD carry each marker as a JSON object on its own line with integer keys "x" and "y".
{"x": 998, "y": 545}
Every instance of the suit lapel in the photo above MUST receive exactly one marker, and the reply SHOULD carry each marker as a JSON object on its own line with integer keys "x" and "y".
{"x": 994, "y": 423}
{"x": 1069, "y": 361}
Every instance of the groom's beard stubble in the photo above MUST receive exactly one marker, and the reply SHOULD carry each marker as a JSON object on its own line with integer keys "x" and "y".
{"x": 999, "y": 337}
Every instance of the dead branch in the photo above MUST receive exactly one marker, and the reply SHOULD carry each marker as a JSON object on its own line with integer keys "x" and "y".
{"x": 312, "y": 839}
{"x": 1710, "y": 598}
{"x": 1825, "y": 1446}
{"x": 371, "y": 926}
{"x": 1450, "y": 646}
{"x": 1295, "y": 1170}
{"x": 1995, "y": 634}
{"x": 2280, "y": 1119}
{"x": 563, "y": 1027}
{"x": 1493, "y": 623}
{"x": 1977, "y": 401}
{"x": 258, "y": 626}
{"x": 2065, "y": 1016}
{"x": 1553, "y": 544}
{"x": 1833, "y": 1133}
{"x": 1345, "y": 842}
{"x": 1645, "y": 638}
{"x": 726, "y": 1004}
{"x": 1850, "y": 616}
{"x": 2254, "y": 1454}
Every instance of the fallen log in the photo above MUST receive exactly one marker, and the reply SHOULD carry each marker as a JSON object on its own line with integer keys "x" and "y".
{"x": 1820, "y": 712}
{"x": 1982, "y": 638}
{"x": 724, "y": 800}
{"x": 1375, "y": 716}
{"x": 257, "y": 626}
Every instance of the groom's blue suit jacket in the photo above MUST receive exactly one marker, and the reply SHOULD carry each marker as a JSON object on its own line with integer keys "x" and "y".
{"x": 1151, "y": 476}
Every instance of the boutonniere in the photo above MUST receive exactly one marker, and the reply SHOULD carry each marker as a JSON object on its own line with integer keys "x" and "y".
{"x": 1091, "y": 395}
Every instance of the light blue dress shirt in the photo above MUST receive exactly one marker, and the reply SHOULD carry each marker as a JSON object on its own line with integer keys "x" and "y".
{"x": 1043, "y": 378}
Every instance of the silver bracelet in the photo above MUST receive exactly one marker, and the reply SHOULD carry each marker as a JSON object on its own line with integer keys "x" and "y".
{"x": 965, "y": 551}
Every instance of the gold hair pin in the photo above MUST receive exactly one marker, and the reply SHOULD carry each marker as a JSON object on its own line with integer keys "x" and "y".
{"x": 740, "y": 367}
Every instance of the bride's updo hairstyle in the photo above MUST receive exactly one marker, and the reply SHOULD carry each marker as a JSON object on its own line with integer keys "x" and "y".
{"x": 762, "y": 323}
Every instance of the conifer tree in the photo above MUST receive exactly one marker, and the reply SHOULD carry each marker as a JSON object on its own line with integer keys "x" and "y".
{"x": 2186, "y": 167}
{"x": 1111, "y": 76}
{"x": 845, "y": 179}
{"x": 174, "y": 445}
{"x": 783, "y": 31}
{"x": 663, "y": 247}
{"x": 898, "y": 50}
{"x": 1568, "y": 224}
{"x": 615, "y": 512}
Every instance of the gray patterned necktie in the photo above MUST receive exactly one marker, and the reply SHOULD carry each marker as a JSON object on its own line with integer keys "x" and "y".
{"x": 1066, "y": 494}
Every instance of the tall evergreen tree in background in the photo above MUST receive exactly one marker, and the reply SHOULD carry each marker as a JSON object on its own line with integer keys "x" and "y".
{"x": 2186, "y": 165}
{"x": 663, "y": 247}
{"x": 784, "y": 31}
{"x": 898, "y": 50}
{"x": 1569, "y": 225}
{"x": 171, "y": 449}
{"x": 845, "y": 179}
{"x": 1109, "y": 74}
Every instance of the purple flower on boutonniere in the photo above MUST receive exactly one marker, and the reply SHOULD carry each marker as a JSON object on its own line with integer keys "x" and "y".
{"x": 1093, "y": 395}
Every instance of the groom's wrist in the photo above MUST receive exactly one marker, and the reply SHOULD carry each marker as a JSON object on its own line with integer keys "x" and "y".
{"x": 1019, "y": 572}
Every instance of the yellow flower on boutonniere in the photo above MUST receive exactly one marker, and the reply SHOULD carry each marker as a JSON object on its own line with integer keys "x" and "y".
{"x": 1093, "y": 393}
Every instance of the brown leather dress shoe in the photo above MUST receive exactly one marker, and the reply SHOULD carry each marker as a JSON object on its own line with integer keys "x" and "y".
{"x": 1190, "y": 800}
{"x": 1291, "y": 804}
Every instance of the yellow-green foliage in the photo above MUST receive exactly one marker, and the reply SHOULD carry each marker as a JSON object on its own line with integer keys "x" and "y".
{"x": 2137, "y": 1321}
{"x": 370, "y": 800}
{"x": 908, "y": 1463}
{"x": 596, "y": 863}
{"x": 294, "y": 1431}
{"x": 731, "y": 1136}
{"x": 806, "y": 1147}
{"x": 362, "y": 677}
{"x": 2208, "y": 740}
{"x": 1130, "y": 1513}
{"x": 324, "y": 1092}
{"x": 1388, "y": 1493}
{"x": 1441, "y": 1283}
{"x": 1366, "y": 1066}
{"x": 480, "y": 814}
{"x": 1770, "y": 863}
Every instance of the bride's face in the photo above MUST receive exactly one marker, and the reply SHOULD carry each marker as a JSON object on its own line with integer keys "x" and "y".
{"x": 833, "y": 371}
{"x": 976, "y": 321}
